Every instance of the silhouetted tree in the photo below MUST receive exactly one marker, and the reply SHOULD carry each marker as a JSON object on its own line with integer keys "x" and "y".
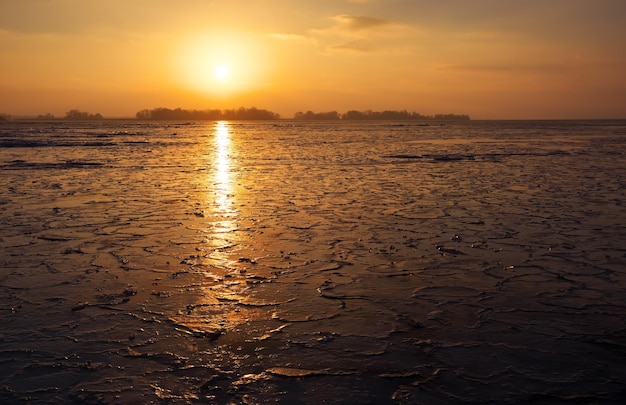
{"x": 80, "y": 115}
{"x": 310, "y": 115}
{"x": 353, "y": 115}
{"x": 144, "y": 115}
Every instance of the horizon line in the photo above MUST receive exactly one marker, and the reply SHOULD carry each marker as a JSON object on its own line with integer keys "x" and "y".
{"x": 130, "y": 118}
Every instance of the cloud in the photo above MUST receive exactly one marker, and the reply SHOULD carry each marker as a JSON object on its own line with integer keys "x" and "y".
{"x": 353, "y": 46}
{"x": 353, "y": 26}
{"x": 352, "y": 33}
{"x": 359, "y": 23}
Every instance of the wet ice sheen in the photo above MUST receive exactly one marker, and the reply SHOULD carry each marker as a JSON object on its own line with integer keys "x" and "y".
{"x": 310, "y": 262}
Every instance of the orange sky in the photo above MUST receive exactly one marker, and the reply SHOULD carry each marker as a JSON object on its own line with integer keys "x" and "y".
{"x": 490, "y": 59}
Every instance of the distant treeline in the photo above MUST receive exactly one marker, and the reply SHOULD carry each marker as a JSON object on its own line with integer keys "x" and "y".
{"x": 377, "y": 115}
{"x": 254, "y": 113}
{"x": 74, "y": 115}
{"x": 260, "y": 114}
{"x": 80, "y": 115}
{"x": 180, "y": 114}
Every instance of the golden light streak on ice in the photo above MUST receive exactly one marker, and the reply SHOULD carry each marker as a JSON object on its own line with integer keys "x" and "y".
{"x": 223, "y": 180}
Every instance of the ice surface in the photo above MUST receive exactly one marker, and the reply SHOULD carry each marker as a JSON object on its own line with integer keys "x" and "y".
{"x": 312, "y": 262}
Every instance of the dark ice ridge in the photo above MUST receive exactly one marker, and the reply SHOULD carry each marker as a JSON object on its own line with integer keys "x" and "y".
{"x": 68, "y": 164}
{"x": 485, "y": 156}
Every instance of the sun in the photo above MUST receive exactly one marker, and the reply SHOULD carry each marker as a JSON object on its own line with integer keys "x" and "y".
{"x": 221, "y": 63}
{"x": 221, "y": 72}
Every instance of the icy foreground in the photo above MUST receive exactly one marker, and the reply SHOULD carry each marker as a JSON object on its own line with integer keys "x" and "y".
{"x": 312, "y": 263}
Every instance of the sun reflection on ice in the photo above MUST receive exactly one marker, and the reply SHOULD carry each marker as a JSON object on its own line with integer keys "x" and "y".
{"x": 223, "y": 303}
{"x": 222, "y": 181}
{"x": 223, "y": 186}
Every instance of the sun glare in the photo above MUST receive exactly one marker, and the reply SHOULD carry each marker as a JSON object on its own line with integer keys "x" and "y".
{"x": 221, "y": 63}
{"x": 221, "y": 72}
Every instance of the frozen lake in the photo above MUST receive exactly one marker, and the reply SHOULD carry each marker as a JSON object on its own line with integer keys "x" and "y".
{"x": 313, "y": 262}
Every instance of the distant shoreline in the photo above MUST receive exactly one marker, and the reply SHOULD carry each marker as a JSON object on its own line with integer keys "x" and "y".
{"x": 105, "y": 119}
{"x": 247, "y": 114}
{"x": 8, "y": 119}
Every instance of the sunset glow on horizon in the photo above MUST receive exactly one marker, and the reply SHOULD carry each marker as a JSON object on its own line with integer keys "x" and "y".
{"x": 489, "y": 59}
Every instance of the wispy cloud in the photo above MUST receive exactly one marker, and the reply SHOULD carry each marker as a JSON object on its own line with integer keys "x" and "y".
{"x": 354, "y": 46}
{"x": 359, "y": 23}
{"x": 357, "y": 33}
{"x": 347, "y": 33}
